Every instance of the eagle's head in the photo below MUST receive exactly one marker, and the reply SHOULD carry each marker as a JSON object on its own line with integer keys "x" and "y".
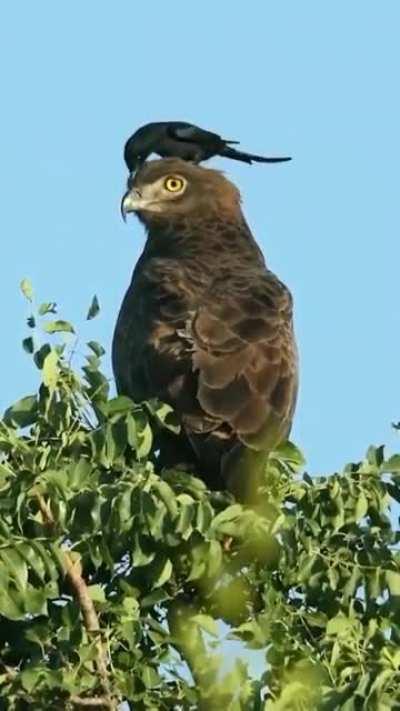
{"x": 173, "y": 188}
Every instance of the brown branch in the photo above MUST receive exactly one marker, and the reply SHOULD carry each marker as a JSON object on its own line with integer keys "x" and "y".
{"x": 45, "y": 511}
{"x": 89, "y": 614}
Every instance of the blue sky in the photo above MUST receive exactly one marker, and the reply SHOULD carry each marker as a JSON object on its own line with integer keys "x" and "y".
{"x": 318, "y": 81}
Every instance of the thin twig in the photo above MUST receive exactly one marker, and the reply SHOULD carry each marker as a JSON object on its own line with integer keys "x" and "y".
{"x": 89, "y": 614}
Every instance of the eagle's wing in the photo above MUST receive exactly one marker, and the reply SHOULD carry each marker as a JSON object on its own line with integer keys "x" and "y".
{"x": 245, "y": 356}
{"x": 226, "y": 359}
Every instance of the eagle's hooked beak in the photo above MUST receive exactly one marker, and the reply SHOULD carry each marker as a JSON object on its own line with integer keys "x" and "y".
{"x": 131, "y": 201}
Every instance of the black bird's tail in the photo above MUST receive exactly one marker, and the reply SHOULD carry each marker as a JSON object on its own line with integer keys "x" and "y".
{"x": 228, "y": 152}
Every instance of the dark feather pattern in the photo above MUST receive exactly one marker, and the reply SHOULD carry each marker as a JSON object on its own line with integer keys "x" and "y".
{"x": 205, "y": 326}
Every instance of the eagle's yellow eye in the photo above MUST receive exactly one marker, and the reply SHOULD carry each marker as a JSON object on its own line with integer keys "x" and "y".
{"x": 173, "y": 184}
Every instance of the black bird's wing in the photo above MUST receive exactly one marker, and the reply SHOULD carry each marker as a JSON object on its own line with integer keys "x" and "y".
{"x": 194, "y": 134}
{"x": 206, "y": 143}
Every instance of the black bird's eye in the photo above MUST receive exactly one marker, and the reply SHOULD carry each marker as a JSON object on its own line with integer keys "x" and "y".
{"x": 173, "y": 184}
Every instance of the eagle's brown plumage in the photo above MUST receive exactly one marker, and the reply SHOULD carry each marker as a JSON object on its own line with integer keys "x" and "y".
{"x": 204, "y": 325}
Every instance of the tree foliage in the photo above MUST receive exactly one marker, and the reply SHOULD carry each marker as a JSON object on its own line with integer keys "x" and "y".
{"x": 115, "y": 577}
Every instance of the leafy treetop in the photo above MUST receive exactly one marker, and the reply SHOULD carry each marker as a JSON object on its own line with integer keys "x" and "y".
{"x": 114, "y": 575}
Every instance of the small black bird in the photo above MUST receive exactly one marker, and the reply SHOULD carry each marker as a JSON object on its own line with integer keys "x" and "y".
{"x": 178, "y": 139}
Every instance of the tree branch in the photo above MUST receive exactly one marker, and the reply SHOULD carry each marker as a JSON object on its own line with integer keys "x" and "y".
{"x": 89, "y": 615}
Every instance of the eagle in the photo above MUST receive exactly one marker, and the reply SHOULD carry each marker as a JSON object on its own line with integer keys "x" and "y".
{"x": 179, "y": 139}
{"x": 205, "y": 326}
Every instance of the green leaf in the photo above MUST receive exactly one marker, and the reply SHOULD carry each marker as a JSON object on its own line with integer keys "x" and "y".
{"x": 51, "y": 370}
{"x": 40, "y": 355}
{"x": 131, "y": 607}
{"x": 338, "y": 625}
{"x": 141, "y": 556}
{"x": 204, "y": 516}
{"x": 96, "y": 593}
{"x": 214, "y": 559}
{"x": 231, "y": 513}
{"x": 207, "y": 623}
{"x": 393, "y": 582}
{"x": 23, "y": 413}
{"x": 97, "y": 348}
{"x": 94, "y": 309}
{"x": 183, "y": 524}
{"x": 150, "y": 677}
{"x": 47, "y": 308}
{"x": 58, "y": 326}
{"x": 163, "y": 574}
{"x": 165, "y": 416}
{"x": 333, "y": 577}
{"x": 15, "y": 567}
{"x": 392, "y": 464}
{"x": 79, "y": 473}
{"x": 57, "y": 479}
{"x": 29, "y": 678}
{"x": 291, "y": 454}
{"x": 144, "y": 441}
{"x": 28, "y": 345}
{"x": 119, "y": 405}
{"x": 27, "y": 289}
{"x": 36, "y": 601}
{"x": 155, "y": 598}
{"x": 361, "y": 506}
{"x": 167, "y": 495}
{"x": 11, "y": 605}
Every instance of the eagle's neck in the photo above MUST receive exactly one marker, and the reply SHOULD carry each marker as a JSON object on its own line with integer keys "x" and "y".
{"x": 213, "y": 238}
